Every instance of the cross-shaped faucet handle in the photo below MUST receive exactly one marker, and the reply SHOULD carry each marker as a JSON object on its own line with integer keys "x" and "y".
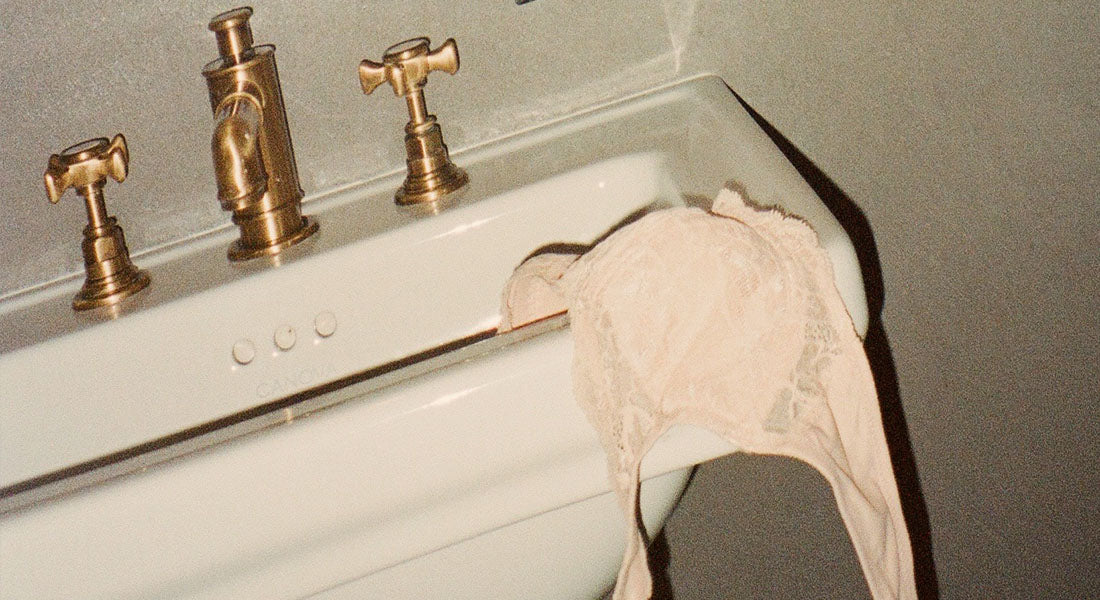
{"x": 88, "y": 163}
{"x": 406, "y": 65}
{"x": 431, "y": 174}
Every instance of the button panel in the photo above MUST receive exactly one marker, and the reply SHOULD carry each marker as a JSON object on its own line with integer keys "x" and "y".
{"x": 285, "y": 338}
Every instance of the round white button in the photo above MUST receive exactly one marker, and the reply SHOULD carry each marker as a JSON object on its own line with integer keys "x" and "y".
{"x": 325, "y": 324}
{"x": 285, "y": 337}
{"x": 244, "y": 351}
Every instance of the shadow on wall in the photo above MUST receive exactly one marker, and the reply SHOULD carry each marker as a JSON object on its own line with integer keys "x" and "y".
{"x": 882, "y": 366}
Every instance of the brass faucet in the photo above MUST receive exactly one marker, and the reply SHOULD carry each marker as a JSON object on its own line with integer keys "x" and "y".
{"x": 253, "y": 158}
{"x": 109, "y": 275}
{"x": 405, "y": 66}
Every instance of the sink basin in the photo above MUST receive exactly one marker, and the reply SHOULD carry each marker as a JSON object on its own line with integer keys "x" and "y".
{"x": 343, "y": 420}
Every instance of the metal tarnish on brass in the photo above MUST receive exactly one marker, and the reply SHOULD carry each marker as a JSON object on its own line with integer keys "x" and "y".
{"x": 253, "y": 158}
{"x": 109, "y": 274}
{"x": 405, "y": 66}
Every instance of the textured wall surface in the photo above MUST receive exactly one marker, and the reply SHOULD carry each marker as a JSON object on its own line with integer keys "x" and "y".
{"x": 957, "y": 141}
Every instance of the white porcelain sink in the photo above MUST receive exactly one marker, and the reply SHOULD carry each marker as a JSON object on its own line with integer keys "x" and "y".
{"x": 140, "y": 458}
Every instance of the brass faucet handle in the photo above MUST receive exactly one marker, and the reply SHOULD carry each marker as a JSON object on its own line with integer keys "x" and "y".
{"x": 88, "y": 163}
{"x": 109, "y": 274}
{"x": 431, "y": 174}
{"x": 405, "y": 66}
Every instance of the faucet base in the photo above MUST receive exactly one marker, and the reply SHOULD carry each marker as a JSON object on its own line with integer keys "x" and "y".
{"x": 432, "y": 186}
{"x": 106, "y": 293}
{"x": 109, "y": 275}
{"x": 239, "y": 250}
{"x": 431, "y": 174}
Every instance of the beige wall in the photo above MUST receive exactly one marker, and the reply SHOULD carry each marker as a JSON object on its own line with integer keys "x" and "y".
{"x": 967, "y": 134}
{"x": 957, "y": 140}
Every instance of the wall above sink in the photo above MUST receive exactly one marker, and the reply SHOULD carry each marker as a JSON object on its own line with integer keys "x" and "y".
{"x": 74, "y": 71}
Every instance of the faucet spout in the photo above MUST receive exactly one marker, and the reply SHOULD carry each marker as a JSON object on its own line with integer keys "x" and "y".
{"x": 254, "y": 166}
{"x": 238, "y": 160}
